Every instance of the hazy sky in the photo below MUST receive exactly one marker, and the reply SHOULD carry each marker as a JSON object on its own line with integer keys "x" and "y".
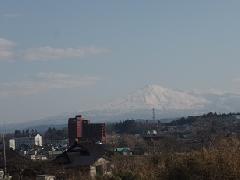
{"x": 62, "y": 56}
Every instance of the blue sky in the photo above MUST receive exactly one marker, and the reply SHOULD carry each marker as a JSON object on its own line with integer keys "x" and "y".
{"x": 62, "y": 56}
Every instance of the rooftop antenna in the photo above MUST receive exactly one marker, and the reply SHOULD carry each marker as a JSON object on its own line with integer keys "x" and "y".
{"x": 153, "y": 114}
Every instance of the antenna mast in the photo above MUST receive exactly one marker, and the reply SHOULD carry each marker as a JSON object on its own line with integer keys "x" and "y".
{"x": 153, "y": 114}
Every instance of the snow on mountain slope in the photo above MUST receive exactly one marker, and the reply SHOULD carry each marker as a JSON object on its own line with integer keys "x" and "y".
{"x": 168, "y": 104}
{"x": 155, "y": 96}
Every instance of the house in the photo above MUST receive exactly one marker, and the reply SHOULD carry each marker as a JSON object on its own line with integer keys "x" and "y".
{"x": 54, "y": 154}
{"x": 38, "y": 157}
{"x": 123, "y": 151}
{"x": 45, "y": 177}
{"x": 56, "y": 142}
{"x": 89, "y": 159}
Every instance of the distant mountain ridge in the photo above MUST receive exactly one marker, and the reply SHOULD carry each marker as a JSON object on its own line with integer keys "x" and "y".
{"x": 168, "y": 104}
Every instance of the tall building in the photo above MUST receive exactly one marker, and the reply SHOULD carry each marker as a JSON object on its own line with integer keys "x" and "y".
{"x": 81, "y": 130}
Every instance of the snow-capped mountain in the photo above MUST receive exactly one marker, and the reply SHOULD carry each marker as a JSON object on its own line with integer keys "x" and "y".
{"x": 168, "y": 103}
{"x": 158, "y": 97}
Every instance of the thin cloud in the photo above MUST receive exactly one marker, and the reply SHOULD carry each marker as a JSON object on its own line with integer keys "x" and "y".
{"x": 46, "y": 53}
{"x": 236, "y": 80}
{"x": 43, "y": 82}
{"x": 236, "y": 84}
{"x": 50, "y": 53}
{"x": 209, "y": 91}
{"x": 12, "y": 15}
{"x": 6, "y": 48}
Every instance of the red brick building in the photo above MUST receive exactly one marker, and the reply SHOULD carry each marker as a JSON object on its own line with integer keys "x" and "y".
{"x": 81, "y": 130}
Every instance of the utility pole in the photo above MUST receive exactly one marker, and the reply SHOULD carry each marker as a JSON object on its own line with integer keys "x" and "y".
{"x": 4, "y": 155}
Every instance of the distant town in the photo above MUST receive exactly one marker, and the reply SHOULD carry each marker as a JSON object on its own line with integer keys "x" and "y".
{"x": 97, "y": 150}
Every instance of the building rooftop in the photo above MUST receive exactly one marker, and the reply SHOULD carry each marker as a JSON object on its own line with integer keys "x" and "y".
{"x": 82, "y": 155}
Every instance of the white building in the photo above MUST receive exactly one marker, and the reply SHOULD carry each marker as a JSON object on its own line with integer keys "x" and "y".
{"x": 28, "y": 141}
{"x": 38, "y": 157}
{"x": 38, "y": 140}
{"x": 12, "y": 144}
